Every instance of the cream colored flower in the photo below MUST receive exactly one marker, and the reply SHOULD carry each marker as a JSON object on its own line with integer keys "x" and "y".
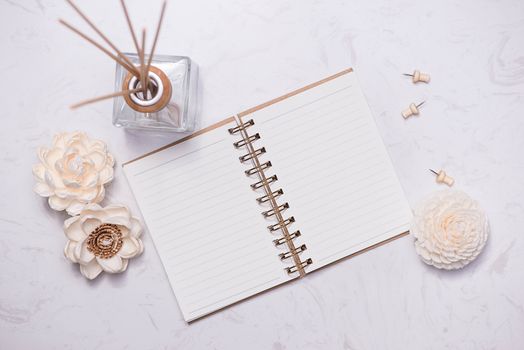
{"x": 450, "y": 230}
{"x": 73, "y": 172}
{"x": 102, "y": 239}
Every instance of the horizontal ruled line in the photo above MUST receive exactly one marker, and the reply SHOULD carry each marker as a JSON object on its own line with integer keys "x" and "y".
{"x": 177, "y": 158}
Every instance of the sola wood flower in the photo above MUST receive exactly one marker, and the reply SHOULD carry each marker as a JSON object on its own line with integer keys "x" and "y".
{"x": 102, "y": 239}
{"x": 73, "y": 172}
{"x": 450, "y": 230}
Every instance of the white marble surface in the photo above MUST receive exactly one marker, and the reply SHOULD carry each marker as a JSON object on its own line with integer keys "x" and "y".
{"x": 250, "y": 51}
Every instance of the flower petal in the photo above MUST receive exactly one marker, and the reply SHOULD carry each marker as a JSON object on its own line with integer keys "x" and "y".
{"x": 70, "y": 182}
{"x": 136, "y": 227}
{"x": 51, "y": 179}
{"x": 59, "y": 139}
{"x": 41, "y": 152}
{"x": 39, "y": 172}
{"x": 69, "y": 251}
{"x": 101, "y": 194}
{"x": 106, "y": 174}
{"x": 59, "y": 204}
{"x": 66, "y": 192}
{"x": 76, "y": 147}
{"x": 89, "y": 224}
{"x": 93, "y": 209}
{"x": 73, "y": 229}
{"x": 117, "y": 220}
{"x": 52, "y": 156}
{"x": 82, "y": 255}
{"x": 110, "y": 160}
{"x": 75, "y": 207}
{"x": 98, "y": 145}
{"x": 117, "y": 210}
{"x": 91, "y": 270}
{"x": 114, "y": 264}
{"x": 118, "y": 215}
{"x": 131, "y": 247}
{"x": 88, "y": 194}
{"x": 42, "y": 189}
{"x": 91, "y": 179}
{"x": 99, "y": 158}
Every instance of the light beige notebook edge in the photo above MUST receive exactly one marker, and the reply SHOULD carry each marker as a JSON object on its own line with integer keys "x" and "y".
{"x": 293, "y": 250}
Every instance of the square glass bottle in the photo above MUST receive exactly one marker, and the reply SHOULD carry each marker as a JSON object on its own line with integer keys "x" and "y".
{"x": 172, "y": 104}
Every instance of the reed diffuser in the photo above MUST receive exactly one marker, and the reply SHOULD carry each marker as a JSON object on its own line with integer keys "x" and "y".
{"x": 152, "y": 92}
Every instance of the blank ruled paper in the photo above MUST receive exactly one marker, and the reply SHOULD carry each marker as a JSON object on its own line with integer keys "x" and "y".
{"x": 336, "y": 173}
{"x": 205, "y": 222}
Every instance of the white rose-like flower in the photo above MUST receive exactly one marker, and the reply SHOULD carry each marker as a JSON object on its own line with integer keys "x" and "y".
{"x": 450, "y": 229}
{"x": 102, "y": 239}
{"x": 73, "y": 172}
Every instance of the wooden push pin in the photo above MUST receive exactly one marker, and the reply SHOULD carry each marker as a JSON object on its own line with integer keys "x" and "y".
{"x": 418, "y": 76}
{"x": 411, "y": 110}
{"x": 442, "y": 178}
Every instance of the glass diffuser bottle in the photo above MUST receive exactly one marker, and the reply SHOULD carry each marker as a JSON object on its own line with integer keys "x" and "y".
{"x": 170, "y": 102}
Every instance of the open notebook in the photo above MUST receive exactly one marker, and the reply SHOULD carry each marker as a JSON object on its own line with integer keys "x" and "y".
{"x": 269, "y": 195}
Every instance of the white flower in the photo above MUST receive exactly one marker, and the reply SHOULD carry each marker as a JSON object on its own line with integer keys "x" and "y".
{"x": 102, "y": 239}
{"x": 450, "y": 229}
{"x": 73, "y": 172}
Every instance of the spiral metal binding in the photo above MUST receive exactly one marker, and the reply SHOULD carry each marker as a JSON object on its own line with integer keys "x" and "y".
{"x": 252, "y": 155}
{"x": 282, "y": 240}
{"x": 264, "y": 182}
{"x": 256, "y": 169}
{"x": 270, "y": 196}
{"x": 298, "y": 250}
{"x": 272, "y": 212}
{"x": 303, "y": 264}
{"x": 243, "y": 126}
{"x": 274, "y": 195}
{"x": 242, "y": 143}
{"x": 281, "y": 224}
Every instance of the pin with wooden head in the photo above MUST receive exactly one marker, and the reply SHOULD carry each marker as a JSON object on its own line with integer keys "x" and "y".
{"x": 418, "y": 76}
{"x": 412, "y": 110}
{"x": 442, "y": 177}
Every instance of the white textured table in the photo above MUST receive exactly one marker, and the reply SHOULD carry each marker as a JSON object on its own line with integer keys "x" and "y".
{"x": 250, "y": 51}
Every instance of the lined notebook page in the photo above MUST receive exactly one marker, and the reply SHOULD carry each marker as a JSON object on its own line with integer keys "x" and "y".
{"x": 205, "y": 223}
{"x": 333, "y": 166}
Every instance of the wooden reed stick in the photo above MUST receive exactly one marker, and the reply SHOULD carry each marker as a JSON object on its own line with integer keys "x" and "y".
{"x": 103, "y": 49}
{"x": 104, "y": 97}
{"x": 95, "y": 28}
{"x": 162, "y": 11}
{"x": 130, "y": 25}
{"x": 142, "y": 64}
